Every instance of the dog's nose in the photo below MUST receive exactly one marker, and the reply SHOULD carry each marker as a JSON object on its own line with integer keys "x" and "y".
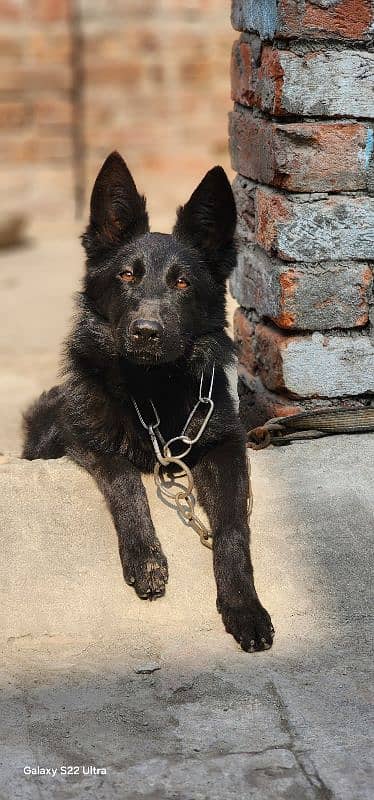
{"x": 145, "y": 329}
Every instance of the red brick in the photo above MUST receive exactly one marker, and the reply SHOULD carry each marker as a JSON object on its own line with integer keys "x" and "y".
{"x": 305, "y": 227}
{"x": 114, "y": 73}
{"x": 314, "y": 365}
{"x": 41, "y": 78}
{"x": 18, "y": 149}
{"x": 11, "y": 47}
{"x": 269, "y": 343}
{"x": 346, "y": 19}
{"x": 258, "y": 404}
{"x": 313, "y": 228}
{"x": 272, "y": 210}
{"x": 11, "y": 10}
{"x": 51, "y": 112}
{"x": 53, "y": 149}
{"x": 192, "y": 72}
{"x": 287, "y": 83}
{"x": 30, "y": 148}
{"x": 244, "y": 330}
{"x": 142, "y": 83}
{"x": 50, "y": 10}
{"x": 13, "y": 115}
{"x": 12, "y": 79}
{"x": 48, "y": 47}
{"x": 303, "y": 296}
{"x": 337, "y": 19}
{"x": 300, "y": 157}
{"x": 242, "y": 73}
{"x": 108, "y": 45}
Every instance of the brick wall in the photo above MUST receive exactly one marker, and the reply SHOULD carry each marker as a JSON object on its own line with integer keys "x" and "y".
{"x": 157, "y": 87}
{"x": 35, "y": 107}
{"x": 81, "y": 77}
{"x": 301, "y": 136}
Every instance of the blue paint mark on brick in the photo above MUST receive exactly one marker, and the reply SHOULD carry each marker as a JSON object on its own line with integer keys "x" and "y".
{"x": 369, "y": 147}
{"x": 260, "y": 16}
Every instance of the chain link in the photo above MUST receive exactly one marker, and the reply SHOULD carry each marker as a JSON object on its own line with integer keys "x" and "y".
{"x": 183, "y": 496}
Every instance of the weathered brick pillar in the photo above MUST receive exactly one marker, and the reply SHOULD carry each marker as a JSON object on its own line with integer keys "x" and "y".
{"x": 302, "y": 144}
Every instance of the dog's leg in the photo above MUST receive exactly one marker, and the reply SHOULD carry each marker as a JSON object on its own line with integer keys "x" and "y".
{"x": 42, "y": 435}
{"x": 143, "y": 562}
{"x": 221, "y": 479}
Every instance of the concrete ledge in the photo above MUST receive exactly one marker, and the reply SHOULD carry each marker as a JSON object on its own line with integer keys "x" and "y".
{"x": 210, "y": 721}
{"x": 63, "y": 573}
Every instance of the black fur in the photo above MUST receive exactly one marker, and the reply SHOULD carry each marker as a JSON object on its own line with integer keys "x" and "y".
{"x": 139, "y": 332}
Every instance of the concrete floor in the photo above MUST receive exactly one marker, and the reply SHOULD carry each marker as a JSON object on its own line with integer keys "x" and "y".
{"x": 158, "y": 695}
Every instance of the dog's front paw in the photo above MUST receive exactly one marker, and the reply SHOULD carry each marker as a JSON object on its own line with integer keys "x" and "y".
{"x": 249, "y": 624}
{"x": 147, "y": 574}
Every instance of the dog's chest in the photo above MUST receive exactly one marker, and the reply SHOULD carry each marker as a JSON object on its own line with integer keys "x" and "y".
{"x": 166, "y": 412}
{"x": 174, "y": 410}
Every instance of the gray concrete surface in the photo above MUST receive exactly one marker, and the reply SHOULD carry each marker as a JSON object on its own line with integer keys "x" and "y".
{"x": 211, "y": 722}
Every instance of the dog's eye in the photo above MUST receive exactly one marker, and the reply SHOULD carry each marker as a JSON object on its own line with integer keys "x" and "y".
{"x": 127, "y": 276}
{"x": 182, "y": 283}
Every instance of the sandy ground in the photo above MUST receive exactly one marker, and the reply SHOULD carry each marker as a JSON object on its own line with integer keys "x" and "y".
{"x": 157, "y": 695}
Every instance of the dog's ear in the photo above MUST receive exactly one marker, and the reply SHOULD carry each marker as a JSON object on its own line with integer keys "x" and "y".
{"x": 208, "y": 220}
{"x": 118, "y": 212}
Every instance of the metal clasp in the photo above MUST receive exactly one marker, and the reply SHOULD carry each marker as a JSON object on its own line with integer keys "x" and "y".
{"x": 186, "y": 440}
{"x": 152, "y": 428}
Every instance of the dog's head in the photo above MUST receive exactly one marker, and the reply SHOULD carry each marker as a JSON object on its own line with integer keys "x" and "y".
{"x": 158, "y": 292}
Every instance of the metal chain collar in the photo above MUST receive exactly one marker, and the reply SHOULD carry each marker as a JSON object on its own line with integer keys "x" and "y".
{"x": 170, "y": 486}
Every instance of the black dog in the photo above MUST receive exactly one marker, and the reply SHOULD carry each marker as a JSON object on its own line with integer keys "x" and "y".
{"x": 151, "y": 320}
